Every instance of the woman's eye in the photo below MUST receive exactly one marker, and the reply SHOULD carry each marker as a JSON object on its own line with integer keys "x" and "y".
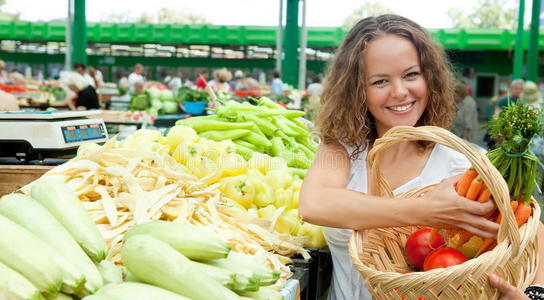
{"x": 379, "y": 82}
{"x": 412, "y": 74}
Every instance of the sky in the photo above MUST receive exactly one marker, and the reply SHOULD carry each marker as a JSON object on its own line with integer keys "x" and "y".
{"x": 428, "y": 13}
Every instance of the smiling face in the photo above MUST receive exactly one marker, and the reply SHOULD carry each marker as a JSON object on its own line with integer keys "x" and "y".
{"x": 396, "y": 91}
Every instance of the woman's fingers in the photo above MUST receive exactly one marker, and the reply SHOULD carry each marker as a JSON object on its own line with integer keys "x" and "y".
{"x": 507, "y": 291}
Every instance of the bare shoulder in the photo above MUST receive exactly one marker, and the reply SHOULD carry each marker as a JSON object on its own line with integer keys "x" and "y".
{"x": 330, "y": 167}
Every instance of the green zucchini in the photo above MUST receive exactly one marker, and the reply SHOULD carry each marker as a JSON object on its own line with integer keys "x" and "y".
{"x": 14, "y": 286}
{"x": 155, "y": 262}
{"x": 192, "y": 242}
{"x": 63, "y": 204}
{"x": 29, "y": 214}
{"x": 24, "y": 253}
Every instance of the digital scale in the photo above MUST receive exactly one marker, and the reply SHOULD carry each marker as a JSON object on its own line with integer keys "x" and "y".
{"x": 28, "y": 135}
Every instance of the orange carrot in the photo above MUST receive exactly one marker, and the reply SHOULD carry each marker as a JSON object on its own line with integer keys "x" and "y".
{"x": 487, "y": 244}
{"x": 465, "y": 182}
{"x": 473, "y": 192}
{"x": 484, "y": 195}
{"x": 462, "y": 186}
{"x": 474, "y": 188}
{"x": 523, "y": 213}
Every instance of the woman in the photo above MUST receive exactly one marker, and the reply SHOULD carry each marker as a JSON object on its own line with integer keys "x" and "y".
{"x": 84, "y": 96}
{"x": 388, "y": 71}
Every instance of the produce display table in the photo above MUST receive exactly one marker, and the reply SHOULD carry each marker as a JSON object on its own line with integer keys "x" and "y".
{"x": 314, "y": 275}
{"x": 13, "y": 177}
{"x": 168, "y": 120}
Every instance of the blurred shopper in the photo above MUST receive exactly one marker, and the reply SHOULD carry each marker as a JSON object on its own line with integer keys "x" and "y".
{"x": 84, "y": 96}
{"x": 250, "y": 83}
{"x": 4, "y": 77}
{"x": 515, "y": 89}
{"x": 277, "y": 85}
{"x": 531, "y": 95}
{"x": 79, "y": 68}
{"x": 315, "y": 87}
{"x": 465, "y": 123}
{"x": 97, "y": 82}
{"x": 123, "y": 82}
{"x": 138, "y": 87}
{"x": 201, "y": 79}
{"x": 176, "y": 82}
{"x": 8, "y": 102}
{"x": 236, "y": 83}
{"x": 135, "y": 76}
{"x": 220, "y": 84}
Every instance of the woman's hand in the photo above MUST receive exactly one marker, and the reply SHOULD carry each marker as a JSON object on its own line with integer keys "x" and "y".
{"x": 444, "y": 208}
{"x": 508, "y": 291}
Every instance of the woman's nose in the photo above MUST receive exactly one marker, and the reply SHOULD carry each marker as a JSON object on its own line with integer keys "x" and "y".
{"x": 399, "y": 89}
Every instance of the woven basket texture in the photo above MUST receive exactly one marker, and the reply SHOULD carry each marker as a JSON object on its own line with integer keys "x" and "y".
{"x": 379, "y": 256}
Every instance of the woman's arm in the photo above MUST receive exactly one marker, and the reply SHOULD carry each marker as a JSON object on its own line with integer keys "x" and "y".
{"x": 539, "y": 278}
{"x": 324, "y": 200}
{"x": 70, "y": 101}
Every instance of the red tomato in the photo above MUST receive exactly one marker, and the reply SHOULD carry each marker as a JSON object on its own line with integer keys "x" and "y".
{"x": 417, "y": 246}
{"x": 443, "y": 258}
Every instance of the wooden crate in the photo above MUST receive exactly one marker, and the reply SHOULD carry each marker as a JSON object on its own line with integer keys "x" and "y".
{"x": 13, "y": 177}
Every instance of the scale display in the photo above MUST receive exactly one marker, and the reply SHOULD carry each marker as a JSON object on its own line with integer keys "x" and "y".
{"x": 80, "y": 133}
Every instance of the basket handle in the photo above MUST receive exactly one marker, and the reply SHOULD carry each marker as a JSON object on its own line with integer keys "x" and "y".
{"x": 494, "y": 181}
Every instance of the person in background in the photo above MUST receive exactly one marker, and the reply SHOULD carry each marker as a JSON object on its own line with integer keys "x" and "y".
{"x": 530, "y": 95}
{"x": 236, "y": 83}
{"x": 138, "y": 87}
{"x": 220, "y": 84}
{"x": 315, "y": 88}
{"x": 201, "y": 80}
{"x": 135, "y": 76}
{"x": 176, "y": 82}
{"x": 8, "y": 102}
{"x": 515, "y": 89}
{"x": 465, "y": 123}
{"x": 4, "y": 77}
{"x": 123, "y": 82}
{"x": 97, "y": 83}
{"x": 84, "y": 96}
{"x": 79, "y": 68}
{"x": 250, "y": 83}
{"x": 167, "y": 78}
{"x": 277, "y": 85}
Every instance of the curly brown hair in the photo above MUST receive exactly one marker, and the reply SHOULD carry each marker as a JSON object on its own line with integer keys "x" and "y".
{"x": 344, "y": 116}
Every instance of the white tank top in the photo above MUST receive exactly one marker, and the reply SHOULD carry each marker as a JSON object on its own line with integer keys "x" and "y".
{"x": 347, "y": 283}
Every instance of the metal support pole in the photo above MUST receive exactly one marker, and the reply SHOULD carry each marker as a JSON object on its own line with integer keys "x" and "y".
{"x": 68, "y": 38}
{"x": 532, "y": 53}
{"x": 290, "y": 61}
{"x": 302, "y": 60}
{"x": 518, "y": 50}
{"x": 279, "y": 44}
{"x": 79, "y": 33}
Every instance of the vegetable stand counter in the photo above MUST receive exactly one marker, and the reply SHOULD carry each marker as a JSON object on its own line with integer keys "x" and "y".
{"x": 13, "y": 177}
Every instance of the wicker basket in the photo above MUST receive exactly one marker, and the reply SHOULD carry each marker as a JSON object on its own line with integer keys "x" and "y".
{"x": 378, "y": 254}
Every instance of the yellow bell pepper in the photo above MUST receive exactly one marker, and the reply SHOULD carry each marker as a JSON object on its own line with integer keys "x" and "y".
{"x": 233, "y": 164}
{"x": 264, "y": 194}
{"x": 260, "y": 162}
{"x": 180, "y": 133}
{"x": 470, "y": 248}
{"x": 186, "y": 150}
{"x": 202, "y": 166}
{"x": 313, "y": 234}
{"x": 283, "y": 197}
{"x": 288, "y": 222}
{"x": 238, "y": 189}
{"x": 278, "y": 179}
{"x": 294, "y": 200}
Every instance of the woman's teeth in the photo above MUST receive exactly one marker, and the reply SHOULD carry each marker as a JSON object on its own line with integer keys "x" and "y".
{"x": 401, "y": 108}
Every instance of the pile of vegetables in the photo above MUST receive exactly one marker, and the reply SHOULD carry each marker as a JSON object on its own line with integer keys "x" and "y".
{"x": 155, "y": 102}
{"x": 48, "y": 244}
{"x": 264, "y": 128}
{"x": 185, "y": 93}
{"x": 192, "y": 263}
